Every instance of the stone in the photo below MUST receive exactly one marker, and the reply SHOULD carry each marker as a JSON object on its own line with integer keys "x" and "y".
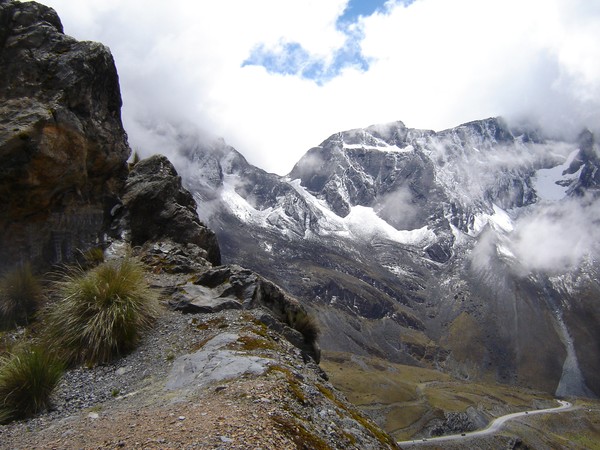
{"x": 172, "y": 257}
{"x": 213, "y": 363}
{"x": 194, "y": 299}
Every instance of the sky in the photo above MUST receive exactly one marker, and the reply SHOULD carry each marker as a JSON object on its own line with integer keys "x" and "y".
{"x": 277, "y": 77}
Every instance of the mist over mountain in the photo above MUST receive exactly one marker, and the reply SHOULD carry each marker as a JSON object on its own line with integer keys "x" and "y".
{"x": 472, "y": 250}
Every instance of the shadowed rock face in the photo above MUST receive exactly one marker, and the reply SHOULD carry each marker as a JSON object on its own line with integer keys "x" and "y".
{"x": 62, "y": 144}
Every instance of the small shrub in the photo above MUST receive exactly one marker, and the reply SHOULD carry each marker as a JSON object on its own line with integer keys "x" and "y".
{"x": 27, "y": 378}
{"x": 20, "y": 296}
{"x": 306, "y": 325}
{"x": 102, "y": 312}
{"x": 135, "y": 158}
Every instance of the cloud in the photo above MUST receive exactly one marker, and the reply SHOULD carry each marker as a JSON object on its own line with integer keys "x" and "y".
{"x": 399, "y": 209}
{"x": 557, "y": 237}
{"x": 430, "y": 63}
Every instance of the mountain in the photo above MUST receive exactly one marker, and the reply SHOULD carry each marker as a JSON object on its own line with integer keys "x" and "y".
{"x": 471, "y": 250}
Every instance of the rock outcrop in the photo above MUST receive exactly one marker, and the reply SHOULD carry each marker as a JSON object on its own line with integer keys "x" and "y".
{"x": 157, "y": 207}
{"x": 62, "y": 144}
{"x": 233, "y": 287}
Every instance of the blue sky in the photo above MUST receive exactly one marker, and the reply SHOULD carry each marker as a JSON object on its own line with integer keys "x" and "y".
{"x": 290, "y": 58}
{"x": 276, "y": 77}
{"x": 358, "y": 8}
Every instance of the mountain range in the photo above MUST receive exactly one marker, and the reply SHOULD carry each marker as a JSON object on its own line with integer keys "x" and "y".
{"x": 471, "y": 250}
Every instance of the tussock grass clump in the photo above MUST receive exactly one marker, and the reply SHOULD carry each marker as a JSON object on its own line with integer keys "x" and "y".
{"x": 102, "y": 312}
{"x": 306, "y": 325}
{"x": 27, "y": 378}
{"x": 20, "y": 296}
{"x": 135, "y": 158}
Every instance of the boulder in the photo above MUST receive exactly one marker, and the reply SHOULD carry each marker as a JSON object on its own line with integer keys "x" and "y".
{"x": 214, "y": 363}
{"x": 171, "y": 257}
{"x": 62, "y": 143}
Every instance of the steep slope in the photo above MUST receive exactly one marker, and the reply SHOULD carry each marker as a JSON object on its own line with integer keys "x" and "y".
{"x": 419, "y": 246}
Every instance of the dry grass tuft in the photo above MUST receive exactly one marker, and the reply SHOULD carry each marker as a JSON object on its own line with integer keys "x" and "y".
{"x": 27, "y": 378}
{"x": 20, "y": 296}
{"x": 305, "y": 324}
{"x": 101, "y": 312}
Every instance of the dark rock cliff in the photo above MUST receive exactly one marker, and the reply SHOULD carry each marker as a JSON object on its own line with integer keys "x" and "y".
{"x": 62, "y": 144}
{"x": 156, "y": 206}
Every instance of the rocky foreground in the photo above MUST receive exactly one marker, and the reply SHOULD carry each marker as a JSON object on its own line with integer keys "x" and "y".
{"x": 204, "y": 380}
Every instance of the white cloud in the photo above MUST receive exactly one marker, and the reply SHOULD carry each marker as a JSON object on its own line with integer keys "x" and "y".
{"x": 555, "y": 238}
{"x": 433, "y": 64}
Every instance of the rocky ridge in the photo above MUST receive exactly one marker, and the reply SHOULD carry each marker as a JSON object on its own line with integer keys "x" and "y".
{"x": 201, "y": 380}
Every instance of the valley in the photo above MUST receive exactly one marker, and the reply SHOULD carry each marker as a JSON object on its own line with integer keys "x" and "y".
{"x": 422, "y": 405}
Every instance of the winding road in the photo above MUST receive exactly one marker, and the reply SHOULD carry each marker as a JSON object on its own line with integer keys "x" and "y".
{"x": 492, "y": 428}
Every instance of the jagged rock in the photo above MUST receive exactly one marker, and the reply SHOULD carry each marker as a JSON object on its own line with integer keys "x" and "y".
{"x": 193, "y": 299}
{"x": 157, "y": 207}
{"x": 62, "y": 144}
{"x": 458, "y": 422}
{"x": 589, "y": 158}
{"x": 439, "y": 251}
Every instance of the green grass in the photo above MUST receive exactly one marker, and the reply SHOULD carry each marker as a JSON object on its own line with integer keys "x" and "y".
{"x": 250, "y": 343}
{"x": 101, "y": 312}
{"x": 293, "y": 383}
{"x": 20, "y": 296}
{"x": 382, "y": 436}
{"x": 27, "y": 378}
{"x": 406, "y": 396}
{"x": 299, "y": 434}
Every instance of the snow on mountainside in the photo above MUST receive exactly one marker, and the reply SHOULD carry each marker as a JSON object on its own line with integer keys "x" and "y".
{"x": 436, "y": 249}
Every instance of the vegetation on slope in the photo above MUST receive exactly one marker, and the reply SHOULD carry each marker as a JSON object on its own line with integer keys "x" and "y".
{"x": 406, "y": 399}
{"x": 27, "y": 378}
{"x": 101, "y": 312}
{"x": 20, "y": 296}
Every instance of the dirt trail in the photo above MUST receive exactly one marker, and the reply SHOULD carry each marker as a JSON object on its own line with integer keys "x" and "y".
{"x": 492, "y": 428}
